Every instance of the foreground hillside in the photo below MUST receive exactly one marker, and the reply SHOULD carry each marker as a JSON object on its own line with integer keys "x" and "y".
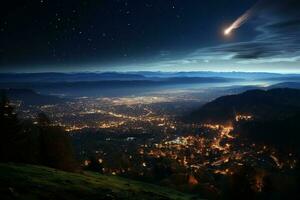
{"x": 36, "y": 182}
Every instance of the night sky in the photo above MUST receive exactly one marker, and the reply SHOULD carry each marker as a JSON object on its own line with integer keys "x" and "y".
{"x": 145, "y": 35}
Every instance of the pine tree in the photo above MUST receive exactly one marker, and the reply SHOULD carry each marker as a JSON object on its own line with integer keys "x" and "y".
{"x": 10, "y": 133}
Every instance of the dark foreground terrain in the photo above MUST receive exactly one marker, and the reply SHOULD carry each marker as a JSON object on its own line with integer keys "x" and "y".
{"x": 36, "y": 182}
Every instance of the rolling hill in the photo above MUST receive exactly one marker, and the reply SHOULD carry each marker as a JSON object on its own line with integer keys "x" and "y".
{"x": 30, "y": 97}
{"x": 276, "y": 116}
{"x": 262, "y": 104}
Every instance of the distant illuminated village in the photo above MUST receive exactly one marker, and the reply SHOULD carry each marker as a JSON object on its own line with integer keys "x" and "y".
{"x": 106, "y": 113}
{"x": 145, "y": 130}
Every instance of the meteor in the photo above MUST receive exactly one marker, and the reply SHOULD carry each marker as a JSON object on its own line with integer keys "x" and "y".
{"x": 241, "y": 20}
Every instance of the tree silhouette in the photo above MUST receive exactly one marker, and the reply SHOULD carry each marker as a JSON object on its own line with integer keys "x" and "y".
{"x": 25, "y": 142}
{"x": 11, "y": 134}
{"x": 43, "y": 119}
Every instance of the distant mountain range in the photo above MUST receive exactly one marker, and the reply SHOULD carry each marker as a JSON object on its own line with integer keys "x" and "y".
{"x": 239, "y": 75}
{"x": 67, "y": 77}
{"x": 116, "y": 83}
{"x": 140, "y": 82}
{"x": 116, "y": 87}
{"x": 140, "y": 75}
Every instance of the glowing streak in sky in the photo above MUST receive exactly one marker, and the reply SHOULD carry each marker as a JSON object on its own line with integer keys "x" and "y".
{"x": 241, "y": 20}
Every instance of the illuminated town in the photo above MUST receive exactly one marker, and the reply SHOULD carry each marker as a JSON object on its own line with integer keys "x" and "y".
{"x": 107, "y": 113}
{"x": 146, "y": 132}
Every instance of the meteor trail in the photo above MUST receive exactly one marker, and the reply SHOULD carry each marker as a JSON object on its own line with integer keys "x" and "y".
{"x": 241, "y": 20}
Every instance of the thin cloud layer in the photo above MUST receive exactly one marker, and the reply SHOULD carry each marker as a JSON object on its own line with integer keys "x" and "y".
{"x": 277, "y": 41}
{"x": 278, "y": 35}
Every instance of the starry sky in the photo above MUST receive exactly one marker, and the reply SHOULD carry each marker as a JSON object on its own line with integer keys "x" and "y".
{"x": 149, "y": 35}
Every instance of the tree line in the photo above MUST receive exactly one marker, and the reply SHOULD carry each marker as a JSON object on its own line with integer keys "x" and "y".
{"x": 41, "y": 143}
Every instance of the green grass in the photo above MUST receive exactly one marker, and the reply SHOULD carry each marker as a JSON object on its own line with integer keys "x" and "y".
{"x": 37, "y": 182}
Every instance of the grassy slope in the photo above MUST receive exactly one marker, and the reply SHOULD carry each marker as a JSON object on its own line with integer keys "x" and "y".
{"x": 36, "y": 182}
